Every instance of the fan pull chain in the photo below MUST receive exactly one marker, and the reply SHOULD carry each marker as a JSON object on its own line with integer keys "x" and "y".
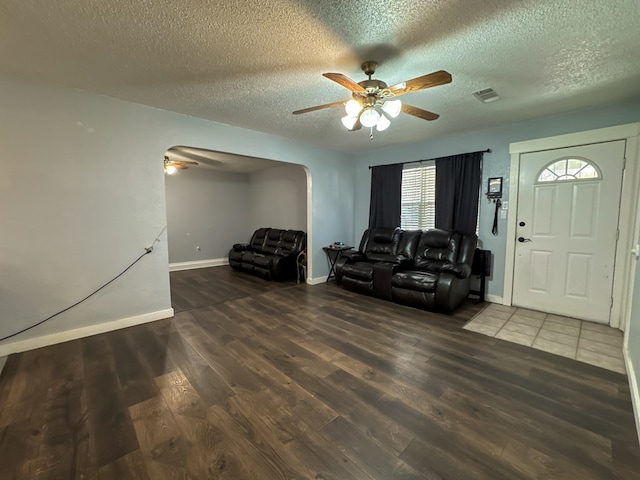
{"x": 371, "y": 134}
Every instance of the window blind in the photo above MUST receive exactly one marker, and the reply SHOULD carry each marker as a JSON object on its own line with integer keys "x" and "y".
{"x": 418, "y": 204}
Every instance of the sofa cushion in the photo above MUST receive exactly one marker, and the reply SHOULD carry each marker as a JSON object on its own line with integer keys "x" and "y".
{"x": 272, "y": 242}
{"x": 382, "y": 244}
{"x": 249, "y": 257}
{"x": 414, "y": 280}
{"x": 258, "y": 237}
{"x": 436, "y": 250}
{"x": 384, "y": 234}
{"x": 263, "y": 261}
{"x": 408, "y": 244}
{"x": 291, "y": 242}
{"x": 360, "y": 270}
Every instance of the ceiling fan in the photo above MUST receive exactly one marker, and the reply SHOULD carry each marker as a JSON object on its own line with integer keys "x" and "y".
{"x": 369, "y": 95}
{"x": 171, "y": 166}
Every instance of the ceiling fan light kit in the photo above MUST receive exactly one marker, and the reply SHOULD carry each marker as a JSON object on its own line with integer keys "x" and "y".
{"x": 369, "y": 117}
{"x": 349, "y": 122}
{"x": 172, "y": 166}
{"x": 383, "y": 123}
{"x": 370, "y": 94}
{"x": 353, "y": 107}
{"x": 392, "y": 108}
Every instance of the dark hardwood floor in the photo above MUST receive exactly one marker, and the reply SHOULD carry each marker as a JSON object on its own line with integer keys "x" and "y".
{"x": 258, "y": 380}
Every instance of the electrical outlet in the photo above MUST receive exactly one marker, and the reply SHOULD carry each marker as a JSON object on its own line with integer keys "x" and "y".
{"x": 503, "y": 214}
{"x": 505, "y": 205}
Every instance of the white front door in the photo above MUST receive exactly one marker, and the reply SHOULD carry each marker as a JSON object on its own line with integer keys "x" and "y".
{"x": 566, "y": 230}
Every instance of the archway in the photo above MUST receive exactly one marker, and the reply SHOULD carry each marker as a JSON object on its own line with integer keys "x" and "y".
{"x": 224, "y": 198}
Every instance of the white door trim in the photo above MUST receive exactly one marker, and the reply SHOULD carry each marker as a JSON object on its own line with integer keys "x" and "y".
{"x": 625, "y": 260}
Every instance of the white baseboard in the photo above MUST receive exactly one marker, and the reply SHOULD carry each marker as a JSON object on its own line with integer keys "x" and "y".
{"x": 212, "y": 262}
{"x": 494, "y": 299}
{"x": 52, "y": 339}
{"x": 317, "y": 280}
{"x": 633, "y": 387}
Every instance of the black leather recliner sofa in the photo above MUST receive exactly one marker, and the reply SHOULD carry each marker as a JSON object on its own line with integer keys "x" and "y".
{"x": 271, "y": 253}
{"x": 428, "y": 269}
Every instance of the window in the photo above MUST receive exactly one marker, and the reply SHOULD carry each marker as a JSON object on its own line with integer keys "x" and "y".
{"x": 418, "y": 205}
{"x": 567, "y": 169}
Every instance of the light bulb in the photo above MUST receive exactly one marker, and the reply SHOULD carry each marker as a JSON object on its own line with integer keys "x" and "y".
{"x": 170, "y": 169}
{"x": 353, "y": 107}
{"x": 383, "y": 123}
{"x": 369, "y": 118}
{"x": 349, "y": 122}
{"x": 392, "y": 108}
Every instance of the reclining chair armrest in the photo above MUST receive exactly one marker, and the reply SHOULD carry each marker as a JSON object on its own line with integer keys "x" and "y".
{"x": 352, "y": 256}
{"x": 282, "y": 265}
{"x": 348, "y": 256}
{"x": 460, "y": 270}
{"x": 451, "y": 290}
{"x": 382, "y": 272}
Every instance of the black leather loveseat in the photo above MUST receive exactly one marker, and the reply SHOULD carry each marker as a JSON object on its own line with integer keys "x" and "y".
{"x": 271, "y": 253}
{"x": 429, "y": 269}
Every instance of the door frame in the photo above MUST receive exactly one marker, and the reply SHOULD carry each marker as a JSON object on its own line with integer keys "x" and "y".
{"x": 626, "y": 254}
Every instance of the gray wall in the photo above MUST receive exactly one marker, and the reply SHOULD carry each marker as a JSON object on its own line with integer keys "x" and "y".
{"x": 83, "y": 192}
{"x": 213, "y": 209}
{"x": 279, "y": 198}
{"x": 209, "y": 209}
{"x": 496, "y": 164}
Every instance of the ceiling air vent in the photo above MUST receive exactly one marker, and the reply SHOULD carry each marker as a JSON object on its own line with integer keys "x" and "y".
{"x": 487, "y": 95}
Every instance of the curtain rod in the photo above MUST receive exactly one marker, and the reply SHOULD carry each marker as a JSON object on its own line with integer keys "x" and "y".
{"x": 488, "y": 150}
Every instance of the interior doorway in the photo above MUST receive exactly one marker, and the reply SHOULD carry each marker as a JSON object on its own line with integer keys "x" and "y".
{"x": 224, "y": 198}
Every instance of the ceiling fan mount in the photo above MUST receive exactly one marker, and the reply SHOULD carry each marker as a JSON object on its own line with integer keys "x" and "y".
{"x": 370, "y": 94}
{"x": 369, "y": 68}
{"x": 371, "y": 85}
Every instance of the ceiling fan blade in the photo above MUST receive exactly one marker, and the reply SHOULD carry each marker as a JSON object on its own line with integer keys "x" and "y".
{"x": 177, "y": 165}
{"x": 319, "y": 107}
{"x": 420, "y": 83}
{"x": 418, "y": 112}
{"x": 184, "y": 162}
{"x": 356, "y": 126}
{"x": 345, "y": 81}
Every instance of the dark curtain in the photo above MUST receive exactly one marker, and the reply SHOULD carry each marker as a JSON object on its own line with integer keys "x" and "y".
{"x": 386, "y": 196}
{"x": 457, "y": 191}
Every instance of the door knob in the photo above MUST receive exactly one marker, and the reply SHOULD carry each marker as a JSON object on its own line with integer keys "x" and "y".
{"x": 522, "y": 239}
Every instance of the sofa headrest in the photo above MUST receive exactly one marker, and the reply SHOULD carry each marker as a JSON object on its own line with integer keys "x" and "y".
{"x": 384, "y": 234}
{"x": 291, "y": 235}
{"x": 436, "y": 238}
{"x": 274, "y": 234}
{"x": 439, "y": 246}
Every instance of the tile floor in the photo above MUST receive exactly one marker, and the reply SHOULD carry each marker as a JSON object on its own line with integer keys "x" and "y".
{"x": 584, "y": 341}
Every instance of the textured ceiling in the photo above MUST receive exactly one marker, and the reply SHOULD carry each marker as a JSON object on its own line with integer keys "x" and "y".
{"x": 251, "y": 64}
